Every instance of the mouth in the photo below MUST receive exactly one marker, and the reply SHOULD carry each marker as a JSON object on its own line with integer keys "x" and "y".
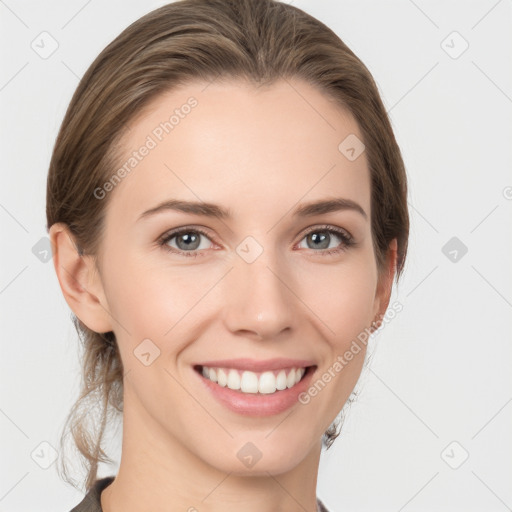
{"x": 247, "y": 382}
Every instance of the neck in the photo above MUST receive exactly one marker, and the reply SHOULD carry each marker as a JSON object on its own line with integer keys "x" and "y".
{"x": 157, "y": 472}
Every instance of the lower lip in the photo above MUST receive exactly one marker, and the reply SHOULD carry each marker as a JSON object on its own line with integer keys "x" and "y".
{"x": 258, "y": 404}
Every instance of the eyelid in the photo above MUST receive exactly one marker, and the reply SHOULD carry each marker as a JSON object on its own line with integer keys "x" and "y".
{"x": 328, "y": 227}
{"x": 182, "y": 229}
{"x": 345, "y": 236}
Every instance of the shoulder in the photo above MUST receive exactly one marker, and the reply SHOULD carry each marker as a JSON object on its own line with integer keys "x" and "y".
{"x": 91, "y": 501}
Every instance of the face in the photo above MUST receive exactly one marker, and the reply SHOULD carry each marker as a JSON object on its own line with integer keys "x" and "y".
{"x": 267, "y": 279}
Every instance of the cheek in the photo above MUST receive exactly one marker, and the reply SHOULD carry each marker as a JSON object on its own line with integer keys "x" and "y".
{"x": 155, "y": 301}
{"x": 342, "y": 297}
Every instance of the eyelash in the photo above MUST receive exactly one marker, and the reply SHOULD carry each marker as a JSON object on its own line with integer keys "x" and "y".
{"x": 347, "y": 240}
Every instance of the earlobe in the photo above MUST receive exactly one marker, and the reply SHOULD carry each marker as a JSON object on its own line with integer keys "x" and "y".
{"x": 79, "y": 280}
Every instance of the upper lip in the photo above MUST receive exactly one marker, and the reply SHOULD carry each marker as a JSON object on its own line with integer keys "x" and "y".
{"x": 258, "y": 366}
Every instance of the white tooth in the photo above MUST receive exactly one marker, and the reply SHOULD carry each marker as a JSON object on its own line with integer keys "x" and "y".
{"x": 281, "y": 380}
{"x": 267, "y": 383}
{"x": 249, "y": 383}
{"x": 233, "y": 379}
{"x": 264, "y": 383}
{"x": 290, "y": 381}
{"x": 222, "y": 377}
{"x": 213, "y": 375}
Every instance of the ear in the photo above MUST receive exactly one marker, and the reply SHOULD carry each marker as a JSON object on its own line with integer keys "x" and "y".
{"x": 79, "y": 280}
{"x": 385, "y": 281}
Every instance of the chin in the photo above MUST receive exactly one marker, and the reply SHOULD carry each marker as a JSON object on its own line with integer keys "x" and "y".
{"x": 257, "y": 456}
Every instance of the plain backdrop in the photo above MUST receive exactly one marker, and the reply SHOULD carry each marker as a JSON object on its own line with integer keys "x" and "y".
{"x": 431, "y": 427}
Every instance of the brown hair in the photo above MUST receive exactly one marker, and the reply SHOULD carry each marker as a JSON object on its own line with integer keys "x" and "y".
{"x": 257, "y": 40}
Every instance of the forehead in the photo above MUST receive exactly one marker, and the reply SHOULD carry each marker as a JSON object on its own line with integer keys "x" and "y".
{"x": 252, "y": 148}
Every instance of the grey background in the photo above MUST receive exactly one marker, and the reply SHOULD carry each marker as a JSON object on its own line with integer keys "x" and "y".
{"x": 439, "y": 387}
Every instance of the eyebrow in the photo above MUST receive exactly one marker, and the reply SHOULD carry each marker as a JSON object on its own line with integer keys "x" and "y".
{"x": 213, "y": 210}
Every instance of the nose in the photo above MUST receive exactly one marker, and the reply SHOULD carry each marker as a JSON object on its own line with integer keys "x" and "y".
{"x": 259, "y": 300}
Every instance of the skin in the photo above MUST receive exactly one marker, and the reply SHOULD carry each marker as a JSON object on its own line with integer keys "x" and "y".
{"x": 260, "y": 152}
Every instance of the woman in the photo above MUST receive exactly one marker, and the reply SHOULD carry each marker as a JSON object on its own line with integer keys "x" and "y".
{"x": 227, "y": 206}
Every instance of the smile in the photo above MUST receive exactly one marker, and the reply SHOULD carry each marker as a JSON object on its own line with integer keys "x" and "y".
{"x": 266, "y": 382}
